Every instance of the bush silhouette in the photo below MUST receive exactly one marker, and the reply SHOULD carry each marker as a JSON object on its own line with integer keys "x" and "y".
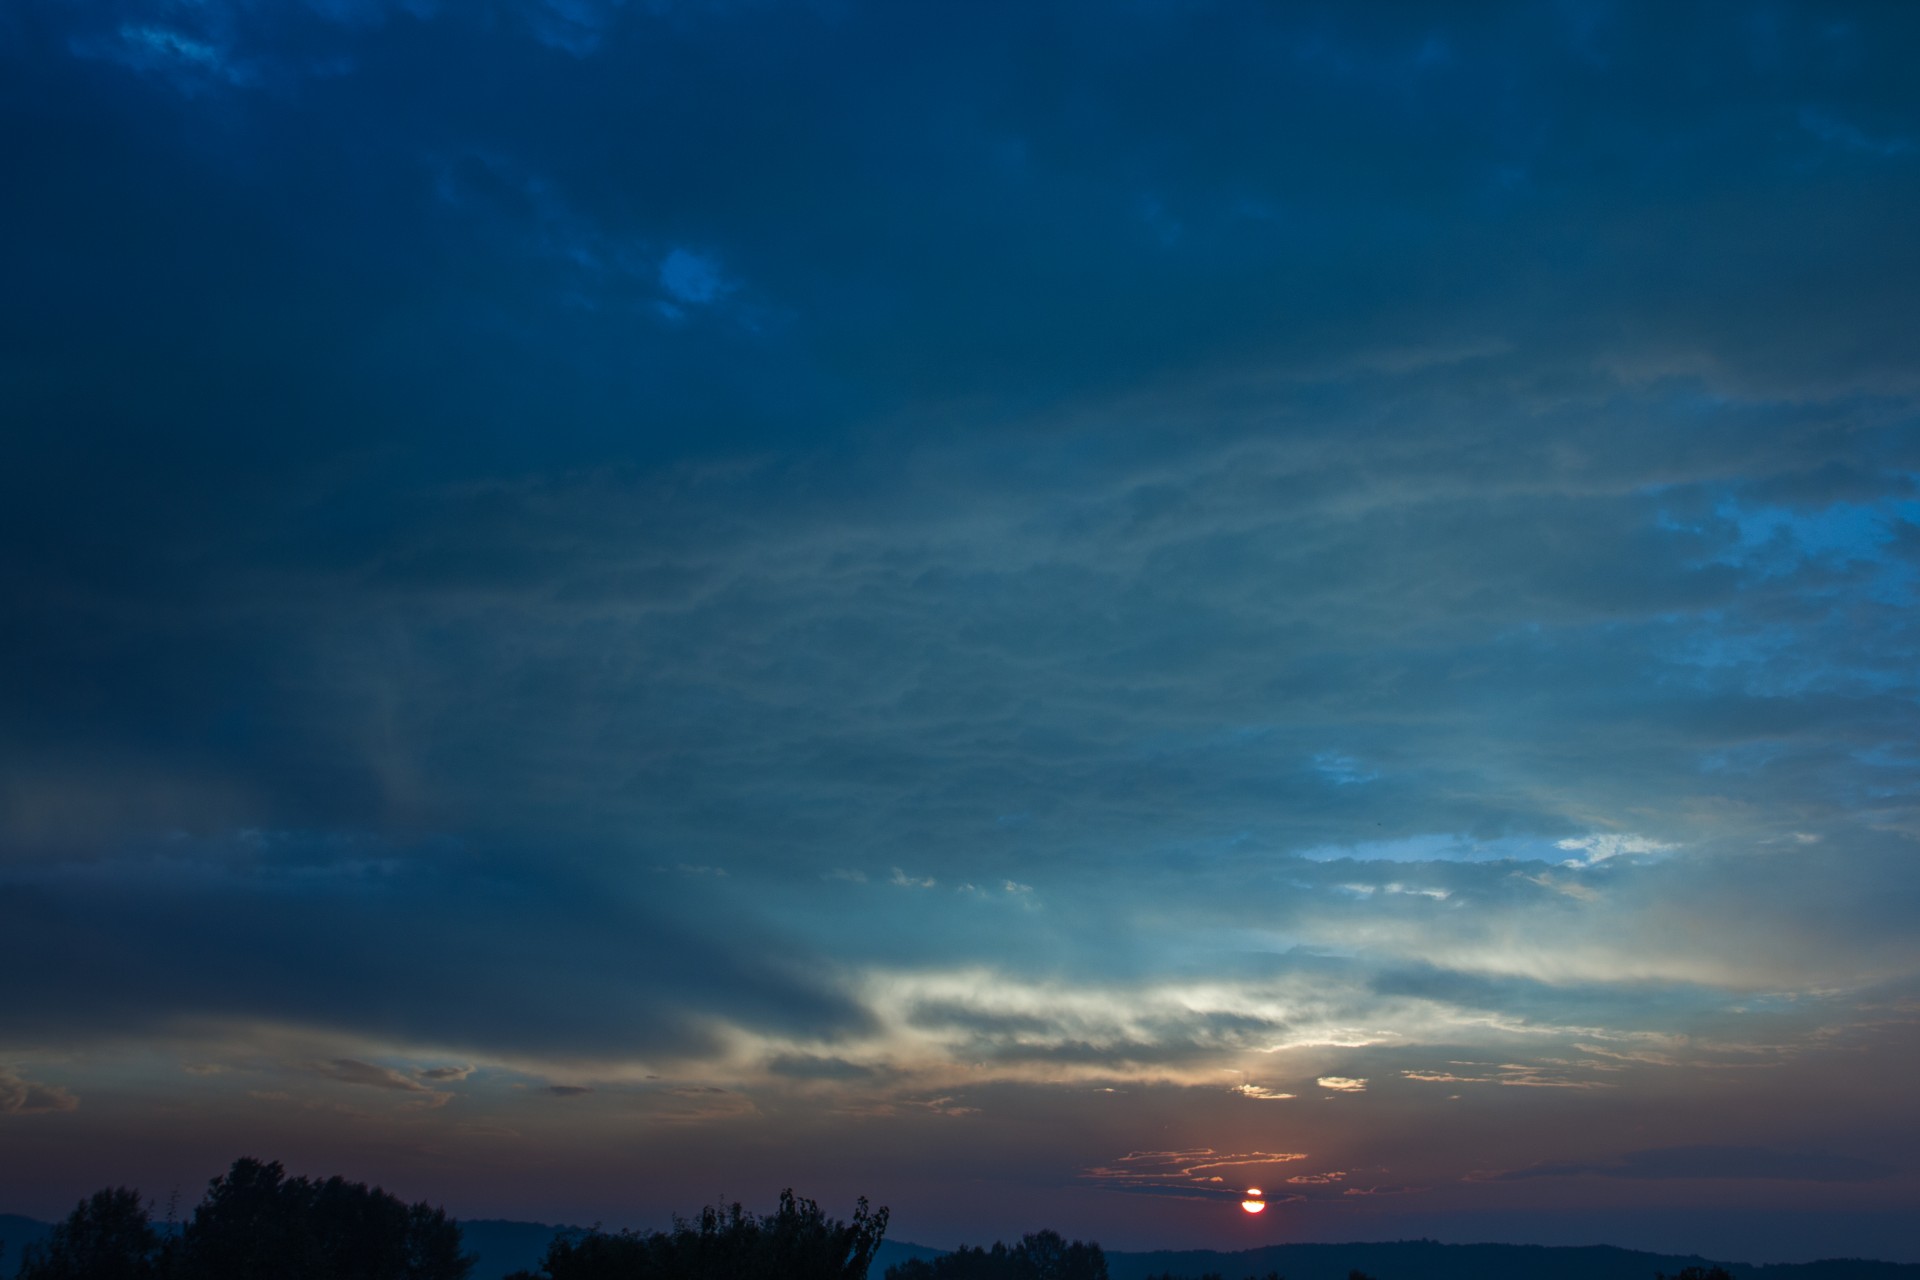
{"x": 796, "y": 1242}
{"x": 1040, "y": 1255}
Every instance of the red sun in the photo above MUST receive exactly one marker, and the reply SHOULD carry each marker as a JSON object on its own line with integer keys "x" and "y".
{"x": 1253, "y": 1203}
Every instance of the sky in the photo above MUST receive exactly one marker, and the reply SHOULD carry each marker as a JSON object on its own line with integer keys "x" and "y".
{"x": 1039, "y": 611}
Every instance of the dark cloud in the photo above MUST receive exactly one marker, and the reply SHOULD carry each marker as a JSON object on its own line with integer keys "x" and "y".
{"x": 796, "y": 1066}
{"x": 1715, "y": 1162}
{"x": 366, "y": 946}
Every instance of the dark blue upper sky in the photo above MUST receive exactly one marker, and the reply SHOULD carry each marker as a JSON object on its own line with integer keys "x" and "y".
{"x": 1041, "y": 610}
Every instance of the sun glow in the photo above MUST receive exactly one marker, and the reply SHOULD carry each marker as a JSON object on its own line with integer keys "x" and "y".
{"x": 1253, "y": 1203}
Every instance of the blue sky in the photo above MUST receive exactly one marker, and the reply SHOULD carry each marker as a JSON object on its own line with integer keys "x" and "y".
{"x": 1038, "y": 611}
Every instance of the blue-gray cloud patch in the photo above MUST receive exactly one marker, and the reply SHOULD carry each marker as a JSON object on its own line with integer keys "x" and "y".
{"x": 1714, "y": 1162}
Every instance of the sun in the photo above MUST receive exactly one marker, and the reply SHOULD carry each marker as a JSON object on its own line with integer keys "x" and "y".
{"x": 1253, "y": 1203}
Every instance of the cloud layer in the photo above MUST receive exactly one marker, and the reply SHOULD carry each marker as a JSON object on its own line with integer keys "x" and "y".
{"x": 988, "y": 601}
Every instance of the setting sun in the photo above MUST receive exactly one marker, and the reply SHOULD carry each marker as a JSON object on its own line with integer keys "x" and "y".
{"x": 1253, "y": 1203}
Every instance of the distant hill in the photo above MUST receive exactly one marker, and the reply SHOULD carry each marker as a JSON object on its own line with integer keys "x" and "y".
{"x": 1430, "y": 1260}
{"x": 894, "y": 1252}
{"x": 501, "y": 1247}
{"x": 16, "y": 1233}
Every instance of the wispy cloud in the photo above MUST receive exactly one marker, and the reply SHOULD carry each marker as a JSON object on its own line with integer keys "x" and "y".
{"x": 22, "y": 1097}
{"x": 1262, "y": 1093}
{"x": 367, "y": 1074}
{"x": 1199, "y": 1173}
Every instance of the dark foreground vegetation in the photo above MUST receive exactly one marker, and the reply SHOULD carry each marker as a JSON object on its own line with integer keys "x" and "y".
{"x": 795, "y": 1242}
{"x": 256, "y": 1223}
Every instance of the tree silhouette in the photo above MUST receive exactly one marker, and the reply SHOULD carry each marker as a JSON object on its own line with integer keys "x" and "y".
{"x": 796, "y": 1242}
{"x": 255, "y": 1224}
{"x": 108, "y": 1236}
{"x": 258, "y": 1224}
{"x": 1697, "y": 1273}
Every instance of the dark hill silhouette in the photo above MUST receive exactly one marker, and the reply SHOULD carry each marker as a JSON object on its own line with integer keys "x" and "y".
{"x": 500, "y": 1246}
{"x": 1431, "y": 1260}
{"x": 893, "y": 1253}
{"x": 1038, "y": 1255}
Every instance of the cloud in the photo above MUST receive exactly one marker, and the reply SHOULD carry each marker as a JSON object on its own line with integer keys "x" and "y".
{"x": 1342, "y": 1084}
{"x": 567, "y": 1090}
{"x": 1834, "y": 130}
{"x": 575, "y": 26}
{"x": 21, "y": 1097}
{"x": 1199, "y": 1173}
{"x": 301, "y": 931}
{"x": 1261, "y": 1093}
{"x": 192, "y": 62}
{"x": 1600, "y": 847}
{"x": 1554, "y": 1075}
{"x": 796, "y": 1066}
{"x": 1726, "y": 1162}
{"x": 446, "y": 1073}
{"x": 692, "y": 279}
{"x": 352, "y": 1071}
{"x": 1341, "y": 770}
